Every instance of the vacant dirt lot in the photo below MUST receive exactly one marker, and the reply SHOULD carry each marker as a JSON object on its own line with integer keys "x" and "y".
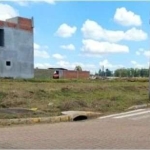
{"x": 50, "y": 97}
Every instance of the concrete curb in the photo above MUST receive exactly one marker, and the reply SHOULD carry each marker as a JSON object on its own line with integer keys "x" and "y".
{"x": 139, "y": 106}
{"x": 75, "y": 114}
{"x": 56, "y": 119}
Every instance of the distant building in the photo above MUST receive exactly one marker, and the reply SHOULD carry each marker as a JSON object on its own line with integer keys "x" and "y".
{"x": 61, "y": 73}
{"x": 16, "y": 48}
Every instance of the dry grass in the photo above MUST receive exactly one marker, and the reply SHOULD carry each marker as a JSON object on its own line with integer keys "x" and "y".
{"x": 54, "y": 96}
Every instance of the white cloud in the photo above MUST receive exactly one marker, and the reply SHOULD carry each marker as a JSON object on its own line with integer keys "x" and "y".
{"x": 26, "y": 2}
{"x": 58, "y": 56}
{"x": 106, "y": 64}
{"x": 68, "y": 47}
{"x": 64, "y": 64}
{"x": 22, "y": 3}
{"x": 139, "y": 65}
{"x": 127, "y": 18}
{"x": 146, "y": 53}
{"x": 42, "y": 65}
{"x": 138, "y": 53}
{"x": 96, "y": 47}
{"x": 90, "y": 55}
{"x": 141, "y": 51}
{"x": 68, "y": 65}
{"x": 7, "y": 11}
{"x": 113, "y": 36}
{"x": 133, "y": 62}
{"x": 40, "y": 51}
{"x": 135, "y": 35}
{"x": 92, "y": 30}
{"x": 48, "y": 1}
{"x": 65, "y": 31}
{"x": 36, "y": 46}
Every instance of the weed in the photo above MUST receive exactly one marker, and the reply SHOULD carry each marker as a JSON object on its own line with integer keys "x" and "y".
{"x": 94, "y": 95}
{"x": 2, "y": 95}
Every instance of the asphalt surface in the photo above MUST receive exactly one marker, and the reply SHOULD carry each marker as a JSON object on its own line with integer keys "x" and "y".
{"x": 129, "y": 130}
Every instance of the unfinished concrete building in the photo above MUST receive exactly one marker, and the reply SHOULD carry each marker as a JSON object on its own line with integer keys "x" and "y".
{"x": 16, "y": 48}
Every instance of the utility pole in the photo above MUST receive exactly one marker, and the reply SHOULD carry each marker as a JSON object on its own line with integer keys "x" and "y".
{"x": 149, "y": 80}
{"x": 103, "y": 74}
{"x": 149, "y": 73}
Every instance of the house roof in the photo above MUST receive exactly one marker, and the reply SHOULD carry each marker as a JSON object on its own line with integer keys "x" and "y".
{"x": 58, "y": 68}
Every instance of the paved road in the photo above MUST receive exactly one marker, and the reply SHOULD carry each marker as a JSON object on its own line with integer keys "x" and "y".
{"x": 130, "y": 130}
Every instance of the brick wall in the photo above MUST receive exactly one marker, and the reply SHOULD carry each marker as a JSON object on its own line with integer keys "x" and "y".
{"x": 69, "y": 74}
{"x": 1, "y": 23}
{"x": 84, "y": 74}
{"x": 23, "y": 24}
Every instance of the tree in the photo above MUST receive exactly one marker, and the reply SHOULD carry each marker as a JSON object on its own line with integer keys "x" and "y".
{"x": 122, "y": 72}
{"x": 132, "y": 72}
{"x": 137, "y": 72}
{"x": 108, "y": 73}
{"x": 78, "y": 68}
{"x": 100, "y": 72}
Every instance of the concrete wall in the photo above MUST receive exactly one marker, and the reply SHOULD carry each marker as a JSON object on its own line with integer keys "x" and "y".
{"x": 18, "y": 49}
{"x": 43, "y": 73}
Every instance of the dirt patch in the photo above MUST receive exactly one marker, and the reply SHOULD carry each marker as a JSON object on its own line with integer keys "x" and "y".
{"x": 19, "y": 113}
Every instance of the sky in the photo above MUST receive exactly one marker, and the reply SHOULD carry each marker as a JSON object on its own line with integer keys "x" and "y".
{"x": 92, "y": 34}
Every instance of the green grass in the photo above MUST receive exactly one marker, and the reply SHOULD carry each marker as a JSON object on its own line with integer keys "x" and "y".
{"x": 53, "y": 96}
